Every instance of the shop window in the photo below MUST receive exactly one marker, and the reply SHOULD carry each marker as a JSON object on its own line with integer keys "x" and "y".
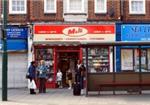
{"x": 50, "y": 6}
{"x": 17, "y": 6}
{"x": 47, "y": 56}
{"x": 130, "y": 60}
{"x": 98, "y": 59}
{"x": 100, "y": 6}
{"x": 137, "y": 6}
{"x": 75, "y": 6}
{"x": 144, "y": 62}
{"x": 127, "y": 60}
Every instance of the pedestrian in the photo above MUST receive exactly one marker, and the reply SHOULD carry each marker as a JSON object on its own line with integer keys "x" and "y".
{"x": 69, "y": 77}
{"x": 80, "y": 74}
{"x": 42, "y": 74}
{"x": 31, "y": 77}
{"x": 59, "y": 78}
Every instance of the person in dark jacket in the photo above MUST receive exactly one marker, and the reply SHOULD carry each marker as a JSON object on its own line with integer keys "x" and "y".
{"x": 80, "y": 73}
{"x": 32, "y": 74}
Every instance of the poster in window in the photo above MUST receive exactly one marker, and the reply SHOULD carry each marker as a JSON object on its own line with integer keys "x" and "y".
{"x": 126, "y": 59}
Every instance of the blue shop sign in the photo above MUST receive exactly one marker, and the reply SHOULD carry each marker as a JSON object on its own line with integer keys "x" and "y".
{"x": 15, "y": 45}
{"x": 135, "y": 32}
{"x": 17, "y": 32}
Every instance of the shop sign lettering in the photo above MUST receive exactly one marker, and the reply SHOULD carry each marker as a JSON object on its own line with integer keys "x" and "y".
{"x": 143, "y": 29}
{"x": 135, "y": 32}
{"x": 75, "y": 31}
{"x": 15, "y": 32}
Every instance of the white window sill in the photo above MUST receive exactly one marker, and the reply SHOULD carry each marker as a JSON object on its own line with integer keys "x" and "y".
{"x": 50, "y": 12}
{"x": 72, "y": 11}
{"x": 137, "y": 13}
{"x": 75, "y": 13}
{"x": 102, "y": 12}
{"x": 17, "y": 13}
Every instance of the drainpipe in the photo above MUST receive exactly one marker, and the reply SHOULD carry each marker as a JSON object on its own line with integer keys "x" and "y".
{"x": 121, "y": 10}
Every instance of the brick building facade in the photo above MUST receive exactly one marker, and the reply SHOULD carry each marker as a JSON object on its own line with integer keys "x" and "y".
{"x": 113, "y": 11}
{"x": 35, "y": 12}
{"x": 127, "y": 17}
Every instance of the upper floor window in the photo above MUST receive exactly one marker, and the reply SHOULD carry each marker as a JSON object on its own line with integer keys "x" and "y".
{"x": 75, "y": 6}
{"x": 137, "y": 6}
{"x": 49, "y": 6}
{"x": 17, "y": 6}
{"x": 100, "y": 6}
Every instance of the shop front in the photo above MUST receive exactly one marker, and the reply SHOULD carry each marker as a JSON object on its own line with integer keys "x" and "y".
{"x": 61, "y": 47}
{"x": 130, "y": 54}
{"x": 17, "y": 56}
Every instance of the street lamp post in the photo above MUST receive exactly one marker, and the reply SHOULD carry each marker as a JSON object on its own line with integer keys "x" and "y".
{"x": 4, "y": 58}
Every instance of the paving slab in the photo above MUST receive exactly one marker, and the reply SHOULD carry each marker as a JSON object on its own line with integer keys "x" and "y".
{"x": 65, "y": 97}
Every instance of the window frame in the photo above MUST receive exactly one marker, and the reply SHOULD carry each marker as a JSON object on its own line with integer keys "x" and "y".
{"x": 50, "y": 11}
{"x": 137, "y": 12}
{"x": 100, "y": 11}
{"x": 17, "y": 12}
{"x": 74, "y": 11}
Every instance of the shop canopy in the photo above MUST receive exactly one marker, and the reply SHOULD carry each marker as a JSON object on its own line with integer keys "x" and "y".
{"x": 114, "y": 43}
{"x": 120, "y": 43}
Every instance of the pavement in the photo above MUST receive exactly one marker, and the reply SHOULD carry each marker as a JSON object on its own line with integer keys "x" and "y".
{"x": 65, "y": 97}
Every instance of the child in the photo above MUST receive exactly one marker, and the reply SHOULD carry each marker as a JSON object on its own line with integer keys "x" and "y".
{"x": 59, "y": 78}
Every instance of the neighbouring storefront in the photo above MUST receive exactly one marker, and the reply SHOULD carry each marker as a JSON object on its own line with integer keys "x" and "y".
{"x": 61, "y": 46}
{"x": 129, "y": 55}
{"x": 17, "y": 56}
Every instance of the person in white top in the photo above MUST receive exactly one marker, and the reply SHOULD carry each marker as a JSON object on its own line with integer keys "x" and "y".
{"x": 59, "y": 78}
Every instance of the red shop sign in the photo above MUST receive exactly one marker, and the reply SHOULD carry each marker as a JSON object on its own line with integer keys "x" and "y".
{"x": 58, "y": 29}
{"x": 74, "y": 32}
